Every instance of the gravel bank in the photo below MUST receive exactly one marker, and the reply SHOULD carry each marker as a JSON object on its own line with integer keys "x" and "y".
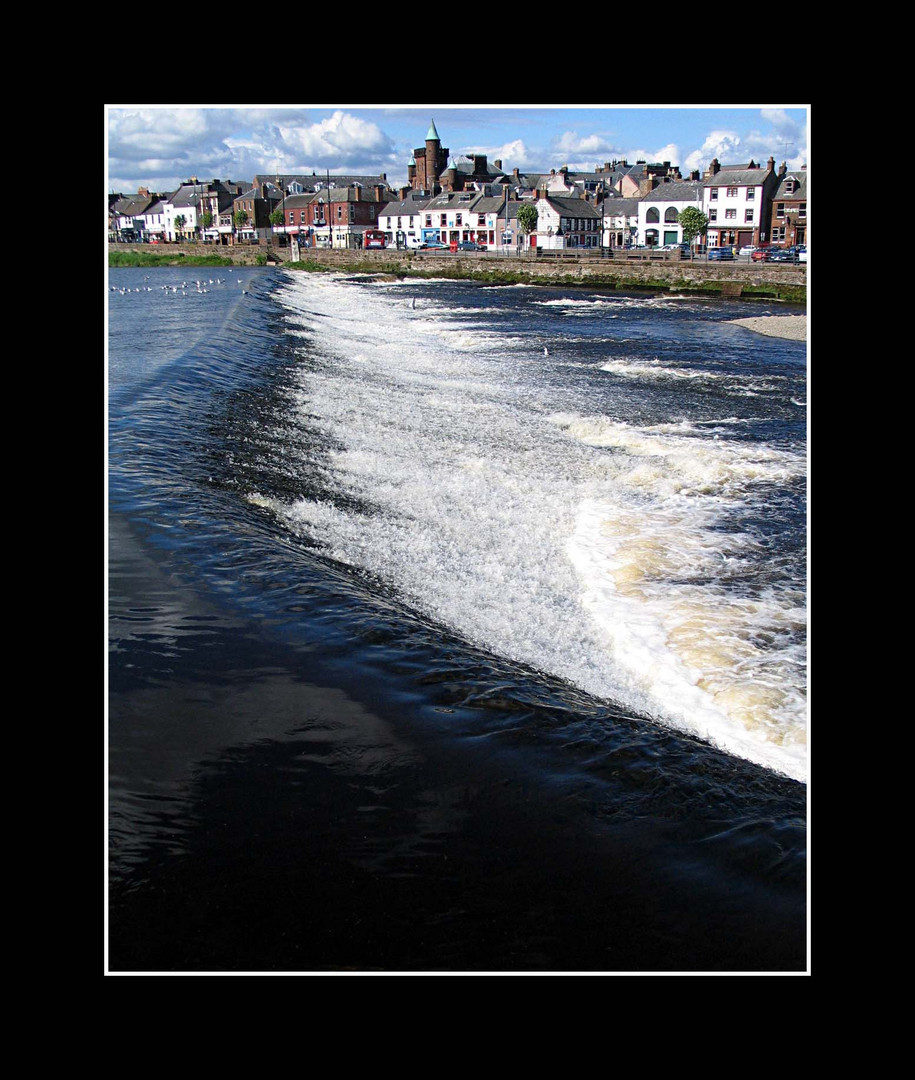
{"x": 783, "y": 326}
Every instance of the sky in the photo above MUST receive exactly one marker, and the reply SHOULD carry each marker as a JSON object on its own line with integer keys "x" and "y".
{"x": 160, "y": 146}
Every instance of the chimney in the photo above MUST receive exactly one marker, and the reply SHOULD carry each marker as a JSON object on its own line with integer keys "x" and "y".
{"x": 498, "y": 164}
{"x": 144, "y": 192}
{"x": 516, "y": 174}
{"x": 379, "y": 193}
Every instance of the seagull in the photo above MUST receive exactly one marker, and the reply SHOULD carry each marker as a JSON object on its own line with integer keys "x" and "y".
{"x": 546, "y": 351}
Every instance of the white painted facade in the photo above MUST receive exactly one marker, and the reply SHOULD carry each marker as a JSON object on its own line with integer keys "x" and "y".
{"x": 731, "y": 209}
{"x": 659, "y": 211}
{"x": 190, "y": 220}
{"x": 568, "y": 225}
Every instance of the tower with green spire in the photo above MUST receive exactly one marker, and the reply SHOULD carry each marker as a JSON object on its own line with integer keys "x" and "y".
{"x": 428, "y": 163}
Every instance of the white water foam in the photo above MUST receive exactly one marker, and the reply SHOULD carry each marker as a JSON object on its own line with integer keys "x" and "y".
{"x": 516, "y": 528}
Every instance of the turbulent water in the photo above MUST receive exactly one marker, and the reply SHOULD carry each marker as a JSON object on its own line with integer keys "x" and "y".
{"x": 570, "y": 522}
{"x": 609, "y": 490}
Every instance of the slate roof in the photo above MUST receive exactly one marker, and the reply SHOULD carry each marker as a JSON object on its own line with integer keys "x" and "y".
{"x": 574, "y": 207}
{"x": 620, "y": 207}
{"x": 800, "y": 191}
{"x": 132, "y": 205}
{"x": 736, "y": 176}
{"x": 407, "y": 206}
{"x": 681, "y": 191}
{"x": 310, "y": 183}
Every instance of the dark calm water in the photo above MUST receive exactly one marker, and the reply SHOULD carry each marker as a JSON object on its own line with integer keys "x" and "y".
{"x": 452, "y": 628}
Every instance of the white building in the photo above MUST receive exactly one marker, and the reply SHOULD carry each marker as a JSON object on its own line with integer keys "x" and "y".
{"x": 452, "y": 217}
{"x": 659, "y": 212}
{"x": 402, "y": 221}
{"x": 620, "y": 222}
{"x": 566, "y": 223}
{"x": 154, "y": 220}
{"x": 737, "y": 201}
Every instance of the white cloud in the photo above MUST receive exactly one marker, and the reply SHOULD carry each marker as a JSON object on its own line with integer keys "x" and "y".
{"x": 727, "y": 146}
{"x": 162, "y": 147}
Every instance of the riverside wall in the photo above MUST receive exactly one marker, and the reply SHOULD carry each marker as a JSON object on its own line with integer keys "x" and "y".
{"x": 657, "y": 272}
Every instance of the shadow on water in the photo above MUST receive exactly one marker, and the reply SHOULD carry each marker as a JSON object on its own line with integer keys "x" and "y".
{"x": 318, "y": 808}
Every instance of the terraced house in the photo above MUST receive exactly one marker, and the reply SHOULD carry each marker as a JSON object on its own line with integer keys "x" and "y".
{"x": 790, "y": 223}
{"x": 737, "y": 200}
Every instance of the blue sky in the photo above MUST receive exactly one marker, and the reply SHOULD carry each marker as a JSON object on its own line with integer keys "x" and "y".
{"x": 159, "y": 146}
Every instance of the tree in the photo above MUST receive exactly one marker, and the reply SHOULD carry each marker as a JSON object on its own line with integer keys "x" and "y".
{"x": 527, "y": 218}
{"x": 207, "y": 220}
{"x": 180, "y": 222}
{"x": 693, "y": 223}
{"x": 277, "y": 218}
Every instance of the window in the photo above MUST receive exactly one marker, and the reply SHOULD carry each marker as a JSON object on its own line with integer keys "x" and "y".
{"x": 748, "y": 216}
{"x": 713, "y": 214}
{"x": 730, "y": 215}
{"x": 732, "y": 193}
{"x": 780, "y": 210}
{"x": 713, "y": 194}
{"x": 751, "y": 192}
{"x": 652, "y": 216}
{"x": 670, "y": 214}
{"x": 428, "y": 221}
{"x": 458, "y": 219}
{"x": 802, "y": 210}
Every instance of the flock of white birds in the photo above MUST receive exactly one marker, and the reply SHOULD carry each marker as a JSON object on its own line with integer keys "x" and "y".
{"x": 186, "y": 288}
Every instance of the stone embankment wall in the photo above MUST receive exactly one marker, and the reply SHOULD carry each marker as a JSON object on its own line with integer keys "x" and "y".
{"x": 729, "y": 278}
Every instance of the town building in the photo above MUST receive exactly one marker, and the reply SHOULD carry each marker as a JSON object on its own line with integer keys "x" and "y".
{"x": 635, "y": 181}
{"x": 127, "y": 215}
{"x": 659, "y": 212}
{"x": 401, "y": 220}
{"x": 789, "y": 222}
{"x": 620, "y": 222}
{"x": 431, "y": 169}
{"x": 332, "y": 217}
{"x": 737, "y": 200}
{"x": 246, "y": 216}
{"x": 566, "y": 223}
{"x": 455, "y": 217}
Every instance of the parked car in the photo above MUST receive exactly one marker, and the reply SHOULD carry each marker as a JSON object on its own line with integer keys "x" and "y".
{"x": 761, "y": 254}
{"x": 802, "y": 253}
{"x": 783, "y": 255}
{"x": 469, "y": 245}
{"x": 720, "y": 254}
{"x": 748, "y": 249}
{"x": 433, "y": 244}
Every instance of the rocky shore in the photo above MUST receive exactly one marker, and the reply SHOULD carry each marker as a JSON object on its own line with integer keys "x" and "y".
{"x": 793, "y": 327}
